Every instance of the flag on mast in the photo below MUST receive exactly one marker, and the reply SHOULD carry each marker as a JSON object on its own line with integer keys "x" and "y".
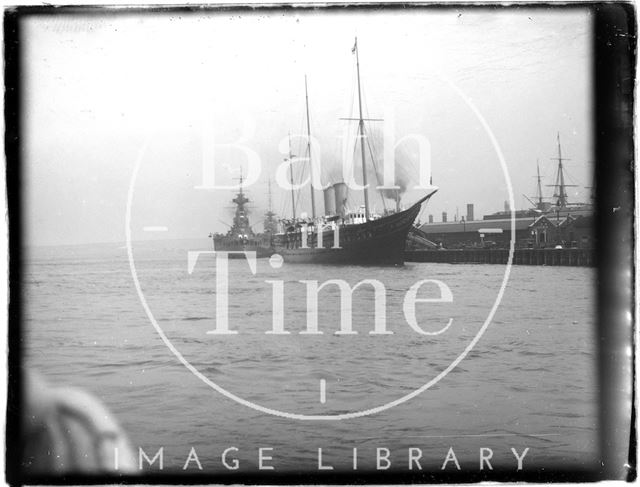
{"x": 355, "y": 46}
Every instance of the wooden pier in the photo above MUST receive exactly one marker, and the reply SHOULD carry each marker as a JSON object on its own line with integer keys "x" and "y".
{"x": 563, "y": 257}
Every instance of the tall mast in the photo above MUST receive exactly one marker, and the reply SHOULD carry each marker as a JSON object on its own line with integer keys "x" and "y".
{"x": 361, "y": 134}
{"x": 293, "y": 196}
{"x": 562, "y": 196}
{"x": 539, "y": 185}
{"x": 269, "y": 222}
{"x": 313, "y": 201}
{"x": 560, "y": 191}
{"x": 240, "y": 219}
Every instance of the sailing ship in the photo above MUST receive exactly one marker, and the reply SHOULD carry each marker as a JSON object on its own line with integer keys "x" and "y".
{"x": 358, "y": 237}
{"x": 241, "y": 237}
{"x": 559, "y": 202}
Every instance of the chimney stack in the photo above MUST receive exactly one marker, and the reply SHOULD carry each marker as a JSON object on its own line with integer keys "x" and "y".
{"x": 444, "y": 217}
{"x": 470, "y": 212}
{"x": 330, "y": 201}
{"x": 340, "y": 192}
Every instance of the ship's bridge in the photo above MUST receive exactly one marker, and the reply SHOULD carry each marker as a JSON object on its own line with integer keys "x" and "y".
{"x": 359, "y": 216}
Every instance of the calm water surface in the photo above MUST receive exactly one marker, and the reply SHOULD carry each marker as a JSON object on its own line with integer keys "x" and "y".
{"x": 528, "y": 383}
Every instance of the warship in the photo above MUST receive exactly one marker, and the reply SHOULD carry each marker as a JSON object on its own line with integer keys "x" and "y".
{"x": 241, "y": 236}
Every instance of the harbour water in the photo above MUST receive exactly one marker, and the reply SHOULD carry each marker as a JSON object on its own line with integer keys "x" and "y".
{"x": 529, "y": 382}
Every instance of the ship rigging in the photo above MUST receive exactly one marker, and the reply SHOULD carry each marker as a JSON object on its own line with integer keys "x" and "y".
{"x": 341, "y": 236}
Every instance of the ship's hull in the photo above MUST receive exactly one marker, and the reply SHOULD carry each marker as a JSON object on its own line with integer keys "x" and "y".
{"x": 376, "y": 242}
{"x": 225, "y": 244}
{"x": 385, "y": 251}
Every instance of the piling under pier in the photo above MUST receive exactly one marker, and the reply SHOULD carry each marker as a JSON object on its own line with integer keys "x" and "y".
{"x": 563, "y": 257}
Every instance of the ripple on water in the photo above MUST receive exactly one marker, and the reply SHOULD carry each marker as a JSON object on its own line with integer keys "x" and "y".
{"x": 531, "y": 372}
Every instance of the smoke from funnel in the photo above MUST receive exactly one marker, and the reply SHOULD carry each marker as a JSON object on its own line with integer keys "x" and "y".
{"x": 403, "y": 165}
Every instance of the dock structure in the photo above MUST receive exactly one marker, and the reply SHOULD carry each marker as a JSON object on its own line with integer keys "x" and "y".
{"x": 521, "y": 256}
{"x": 535, "y": 230}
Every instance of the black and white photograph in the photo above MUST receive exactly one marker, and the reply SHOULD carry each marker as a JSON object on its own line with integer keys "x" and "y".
{"x": 318, "y": 244}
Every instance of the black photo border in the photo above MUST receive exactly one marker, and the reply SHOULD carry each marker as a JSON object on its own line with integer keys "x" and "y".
{"x": 614, "y": 63}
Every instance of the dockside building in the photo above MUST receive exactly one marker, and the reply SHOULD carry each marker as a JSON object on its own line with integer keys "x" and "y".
{"x": 564, "y": 227}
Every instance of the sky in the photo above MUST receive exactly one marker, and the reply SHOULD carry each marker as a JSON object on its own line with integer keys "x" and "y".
{"x": 198, "y": 91}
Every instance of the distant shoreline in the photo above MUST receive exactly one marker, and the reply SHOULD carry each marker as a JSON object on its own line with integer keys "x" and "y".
{"x": 122, "y": 243}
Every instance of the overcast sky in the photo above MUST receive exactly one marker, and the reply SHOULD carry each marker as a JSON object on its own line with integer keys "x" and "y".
{"x": 96, "y": 87}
